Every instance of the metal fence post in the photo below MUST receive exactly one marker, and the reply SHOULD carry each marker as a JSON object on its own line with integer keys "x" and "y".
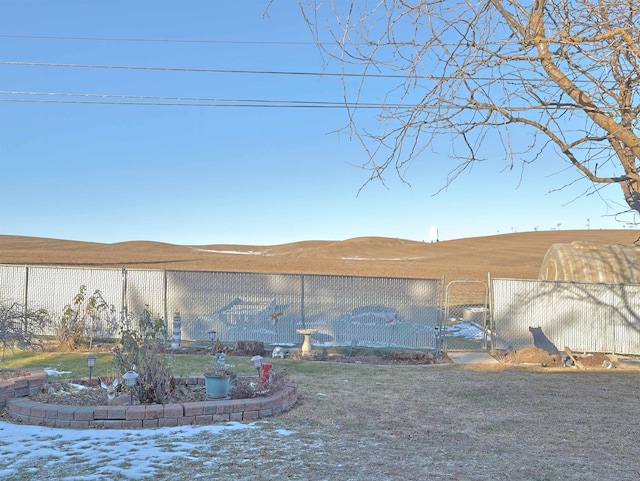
{"x": 490, "y": 322}
{"x": 164, "y": 299}
{"x": 302, "y": 300}
{"x": 123, "y": 310}
{"x": 25, "y": 325}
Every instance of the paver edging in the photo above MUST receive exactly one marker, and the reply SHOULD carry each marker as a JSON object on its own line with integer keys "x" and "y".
{"x": 23, "y": 409}
{"x": 21, "y": 386}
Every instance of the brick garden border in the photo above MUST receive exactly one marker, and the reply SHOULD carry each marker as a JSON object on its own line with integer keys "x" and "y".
{"x": 22, "y": 409}
{"x": 21, "y": 385}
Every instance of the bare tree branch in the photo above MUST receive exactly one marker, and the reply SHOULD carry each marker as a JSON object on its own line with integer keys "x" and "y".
{"x": 479, "y": 73}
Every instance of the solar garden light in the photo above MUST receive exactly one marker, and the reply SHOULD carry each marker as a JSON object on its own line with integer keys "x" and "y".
{"x": 212, "y": 336}
{"x": 130, "y": 379}
{"x": 257, "y": 362}
{"x": 91, "y": 361}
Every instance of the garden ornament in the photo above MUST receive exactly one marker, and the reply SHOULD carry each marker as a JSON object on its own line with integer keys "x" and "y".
{"x": 257, "y": 362}
{"x": 278, "y": 352}
{"x": 110, "y": 388}
{"x": 221, "y": 359}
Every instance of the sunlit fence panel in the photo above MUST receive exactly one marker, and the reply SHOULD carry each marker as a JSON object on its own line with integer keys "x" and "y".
{"x": 53, "y": 288}
{"x": 589, "y": 317}
{"x": 626, "y": 319}
{"x": 238, "y": 306}
{"x": 143, "y": 289}
{"x": 13, "y": 284}
{"x": 372, "y": 311}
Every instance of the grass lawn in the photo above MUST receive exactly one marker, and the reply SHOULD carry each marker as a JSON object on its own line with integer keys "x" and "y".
{"x": 441, "y": 422}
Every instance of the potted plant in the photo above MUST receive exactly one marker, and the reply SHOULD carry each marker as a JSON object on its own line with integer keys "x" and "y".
{"x": 217, "y": 379}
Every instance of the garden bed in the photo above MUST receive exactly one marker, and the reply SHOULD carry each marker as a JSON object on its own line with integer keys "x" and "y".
{"x": 80, "y": 416}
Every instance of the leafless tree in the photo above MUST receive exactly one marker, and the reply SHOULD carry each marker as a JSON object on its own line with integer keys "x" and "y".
{"x": 20, "y": 327}
{"x": 481, "y": 72}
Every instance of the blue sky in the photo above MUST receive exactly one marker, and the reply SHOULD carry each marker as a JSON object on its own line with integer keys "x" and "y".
{"x": 222, "y": 174}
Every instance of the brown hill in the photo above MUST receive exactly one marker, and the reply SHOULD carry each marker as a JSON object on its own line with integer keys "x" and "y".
{"x": 517, "y": 255}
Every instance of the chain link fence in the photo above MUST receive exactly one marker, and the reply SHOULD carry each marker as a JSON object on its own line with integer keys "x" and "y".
{"x": 374, "y": 311}
{"x": 466, "y": 324}
{"x": 588, "y": 317}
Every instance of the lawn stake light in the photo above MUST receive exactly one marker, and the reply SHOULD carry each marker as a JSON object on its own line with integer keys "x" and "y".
{"x": 91, "y": 361}
{"x": 212, "y": 336}
{"x": 130, "y": 379}
{"x": 257, "y": 362}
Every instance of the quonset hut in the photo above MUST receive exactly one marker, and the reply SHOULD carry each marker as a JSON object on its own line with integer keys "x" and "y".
{"x": 583, "y": 261}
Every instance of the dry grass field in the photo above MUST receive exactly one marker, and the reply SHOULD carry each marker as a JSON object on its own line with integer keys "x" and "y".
{"x": 517, "y": 255}
{"x": 367, "y": 422}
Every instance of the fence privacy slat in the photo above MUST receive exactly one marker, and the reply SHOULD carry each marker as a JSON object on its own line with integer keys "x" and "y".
{"x": 375, "y": 311}
{"x": 378, "y": 311}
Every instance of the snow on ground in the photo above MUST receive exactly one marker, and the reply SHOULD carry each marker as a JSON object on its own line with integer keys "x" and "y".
{"x": 380, "y": 258}
{"x": 36, "y": 452}
{"x": 247, "y": 253}
{"x": 466, "y": 329}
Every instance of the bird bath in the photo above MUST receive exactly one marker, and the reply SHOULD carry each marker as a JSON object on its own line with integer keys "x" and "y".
{"x": 306, "y": 343}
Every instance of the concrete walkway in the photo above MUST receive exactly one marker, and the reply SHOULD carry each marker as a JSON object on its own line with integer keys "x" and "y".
{"x": 471, "y": 358}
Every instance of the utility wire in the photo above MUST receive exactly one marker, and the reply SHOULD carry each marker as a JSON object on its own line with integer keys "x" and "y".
{"x": 254, "y": 72}
{"x": 157, "y": 40}
{"x": 184, "y": 104}
{"x": 200, "y": 70}
{"x": 216, "y": 101}
{"x": 222, "y": 102}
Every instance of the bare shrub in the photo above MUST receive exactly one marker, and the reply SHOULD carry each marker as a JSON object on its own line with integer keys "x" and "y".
{"x": 249, "y": 387}
{"x": 18, "y": 326}
{"x": 144, "y": 351}
{"x": 249, "y": 348}
{"x": 79, "y": 318}
{"x": 415, "y": 357}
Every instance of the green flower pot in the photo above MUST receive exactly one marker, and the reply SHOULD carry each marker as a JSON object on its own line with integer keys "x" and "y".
{"x": 217, "y": 387}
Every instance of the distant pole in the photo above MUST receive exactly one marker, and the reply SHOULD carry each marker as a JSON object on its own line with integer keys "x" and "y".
{"x": 433, "y": 234}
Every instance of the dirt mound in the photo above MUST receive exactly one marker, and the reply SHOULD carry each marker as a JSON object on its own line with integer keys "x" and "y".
{"x": 249, "y": 348}
{"x": 532, "y": 355}
{"x": 596, "y": 359}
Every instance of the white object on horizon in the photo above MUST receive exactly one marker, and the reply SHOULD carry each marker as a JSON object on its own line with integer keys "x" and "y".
{"x": 433, "y": 234}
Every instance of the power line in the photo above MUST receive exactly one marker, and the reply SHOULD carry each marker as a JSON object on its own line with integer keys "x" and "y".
{"x": 200, "y": 70}
{"x": 515, "y": 78}
{"x": 157, "y": 97}
{"x": 158, "y": 40}
{"x": 217, "y": 102}
{"x": 183, "y": 104}
{"x": 166, "y": 101}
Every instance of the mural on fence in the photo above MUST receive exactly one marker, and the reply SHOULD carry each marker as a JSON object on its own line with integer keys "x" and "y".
{"x": 246, "y": 306}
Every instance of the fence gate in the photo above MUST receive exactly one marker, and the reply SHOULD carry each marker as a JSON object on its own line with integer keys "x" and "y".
{"x": 466, "y": 323}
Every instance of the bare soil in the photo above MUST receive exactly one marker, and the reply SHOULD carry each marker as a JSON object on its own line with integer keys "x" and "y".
{"x": 517, "y": 255}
